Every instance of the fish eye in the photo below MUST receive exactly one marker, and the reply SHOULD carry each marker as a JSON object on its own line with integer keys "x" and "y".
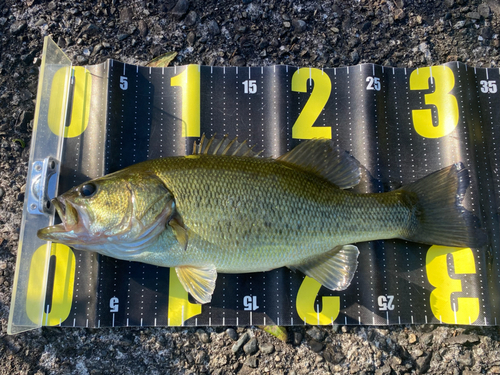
{"x": 87, "y": 190}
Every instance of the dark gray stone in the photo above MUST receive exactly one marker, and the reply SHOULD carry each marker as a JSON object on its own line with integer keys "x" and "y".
{"x": 473, "y": 15}
{"x": 241, "y": 341}
{"x": 297, "y": 338}
{"x": 355, "y": 57}
{"x": 238, "y": 60}
{"x": 18, "y": 27}
{"x": 122, "y": 36}
{"x": 316, "y": 333}
{"x": 180, "y": 9}
{"x": 424, "y": 363}
{"x": 143, "y": 28}
{"x": 231, "y": 333}
{"x": 203, "y": 336}
{"x": 299, "y": 26}
{"x": 266, "y": 348}
{"x": 251, "y": 362}
{"x": 251, "y": 346}
{"x": 126, "y": 15}
{"x": 213, "y": 27}
{"x": 463, "y": 339}
{"x": 191, "y": 18}
{"x": 316, "y": 346}
{"x": 483, "y": 10}
{"x": 333, "y": 355}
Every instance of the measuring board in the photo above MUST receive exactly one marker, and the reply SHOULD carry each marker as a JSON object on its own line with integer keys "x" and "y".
{"x": 401, "y": 124}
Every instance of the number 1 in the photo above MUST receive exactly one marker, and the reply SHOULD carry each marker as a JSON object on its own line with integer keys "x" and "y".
{"x": 189, "y": 81}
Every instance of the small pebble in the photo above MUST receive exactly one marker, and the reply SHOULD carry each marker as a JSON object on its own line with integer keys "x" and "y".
{"x": 299, "y": 26}
{"x": 315, "y": 346}
{"x": 203, "y": 336}
{"x": 232, "y": 334}
{"x": 251, "y": 362}
{"x": 180, "y": 9}
{"x": 316, "y": 334}
{"x": 267, "y": 348}
{"x": 251, "y": 346}
{"x": 297, "y": 338}
{"x": 242, "y": 340}
{"x": 213, "y": 27}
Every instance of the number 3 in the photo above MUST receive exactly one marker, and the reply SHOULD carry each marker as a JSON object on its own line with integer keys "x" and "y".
{"x": 467, "y": 309}
{"x": 446, "y": 103}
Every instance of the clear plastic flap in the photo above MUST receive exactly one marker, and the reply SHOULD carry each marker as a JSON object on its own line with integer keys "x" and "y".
{"x": 33, "y": 257}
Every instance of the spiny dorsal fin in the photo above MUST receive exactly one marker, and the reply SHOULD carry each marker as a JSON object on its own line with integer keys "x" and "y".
{"x": 321, "y": 157}
{"x": 224, "y": 146}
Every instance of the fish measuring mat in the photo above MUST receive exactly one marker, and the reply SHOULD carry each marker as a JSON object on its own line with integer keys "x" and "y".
{"x": 401, "y": 124}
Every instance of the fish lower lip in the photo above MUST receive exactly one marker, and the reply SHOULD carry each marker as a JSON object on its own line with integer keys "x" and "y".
{"x": 49, "y": 232}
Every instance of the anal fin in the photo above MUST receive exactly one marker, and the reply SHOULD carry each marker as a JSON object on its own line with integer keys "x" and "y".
{"x": 333, "y": 269}
{"x": 198, "y": 281}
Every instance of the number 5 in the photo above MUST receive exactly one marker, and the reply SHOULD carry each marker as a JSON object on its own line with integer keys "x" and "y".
{"x": 123, "y": 83}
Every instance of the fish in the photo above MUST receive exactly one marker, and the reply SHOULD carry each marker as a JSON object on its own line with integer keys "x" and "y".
{"x": 225, "y": 209}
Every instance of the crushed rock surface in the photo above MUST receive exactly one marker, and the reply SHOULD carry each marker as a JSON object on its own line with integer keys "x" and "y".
{"x": 329, "y": 33}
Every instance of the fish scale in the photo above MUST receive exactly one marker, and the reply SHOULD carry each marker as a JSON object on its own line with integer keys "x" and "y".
{"x": 278, "y": 213}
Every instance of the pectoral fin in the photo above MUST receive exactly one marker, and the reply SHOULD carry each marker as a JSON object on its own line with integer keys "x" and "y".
{"x": 180, "y": 231}
{"x": 334, "y": 269}
{"x": 198, "y": 281}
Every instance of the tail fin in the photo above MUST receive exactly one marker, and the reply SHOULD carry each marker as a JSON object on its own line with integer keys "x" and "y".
{"x": 441, "y": 218}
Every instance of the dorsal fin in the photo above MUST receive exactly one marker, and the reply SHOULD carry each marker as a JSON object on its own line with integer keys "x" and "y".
{"x": 321, "y": 157}
{"x": 224, "y": 146}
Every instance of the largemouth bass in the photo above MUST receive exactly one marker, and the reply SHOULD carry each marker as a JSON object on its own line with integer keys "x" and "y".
{"x": 225, "y": 210}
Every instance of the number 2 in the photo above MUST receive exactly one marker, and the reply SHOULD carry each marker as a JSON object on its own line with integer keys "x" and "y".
{"x": 306, "y": 298}
{"x": 303, "y": 127}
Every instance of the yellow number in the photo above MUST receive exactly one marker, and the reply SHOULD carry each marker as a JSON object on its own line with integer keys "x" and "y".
{"x": 306, "y": 298}
{"x": 62, "y": 293}
{"x": 446, "y": 103}
{"x": 179, "y": 308}
{"x": 303, "y": 127}
{"x": 189, "y": 81}
{"x": 80, "y": 106}
{"x": 467, "y": 309}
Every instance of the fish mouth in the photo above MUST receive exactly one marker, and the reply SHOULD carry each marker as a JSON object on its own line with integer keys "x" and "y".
{"x": 71, "y": 223}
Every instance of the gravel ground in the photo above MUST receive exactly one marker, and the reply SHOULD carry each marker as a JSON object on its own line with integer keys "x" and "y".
{"x": 230, "y": 32}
